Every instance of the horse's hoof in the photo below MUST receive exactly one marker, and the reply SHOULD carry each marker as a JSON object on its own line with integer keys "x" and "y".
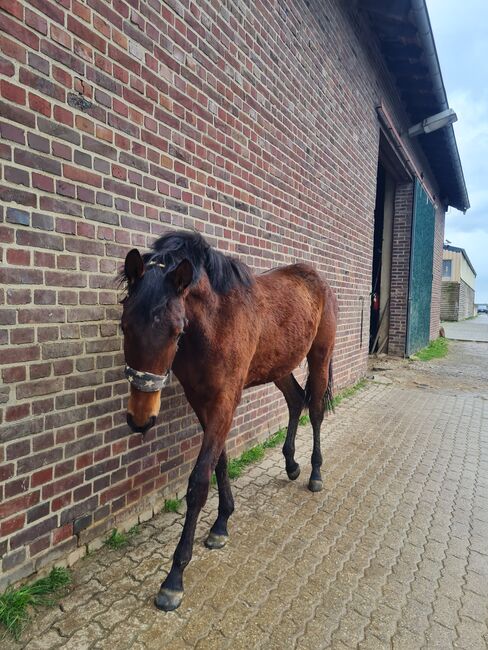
{"x": 168, "y": 599}
{"x": 294, "y": 474}
{"x": 216, "y": 541}
{"x": 315, "y": 485}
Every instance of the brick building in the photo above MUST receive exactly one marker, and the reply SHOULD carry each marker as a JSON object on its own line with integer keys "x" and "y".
{"x": 458, "y": 284}
{"x": 279, "y": 130}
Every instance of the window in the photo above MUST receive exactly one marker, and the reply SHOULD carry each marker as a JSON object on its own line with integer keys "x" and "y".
{"x": 446, "y": 268}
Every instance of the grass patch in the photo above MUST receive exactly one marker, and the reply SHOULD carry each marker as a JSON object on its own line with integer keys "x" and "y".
{"x": 172, "y": 505}
{"x": 118, "y": 539}
{"x": 348, "y": 392}
{"x": 15, "y": 603}
{"x": 277, "y": 438}
{"x": 435, "y": 350}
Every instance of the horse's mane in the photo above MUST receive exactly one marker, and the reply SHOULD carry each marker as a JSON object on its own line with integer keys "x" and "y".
{"x": 224, "y": 272}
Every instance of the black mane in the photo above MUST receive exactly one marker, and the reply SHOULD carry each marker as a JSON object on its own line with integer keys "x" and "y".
{"x": 224, "y": 273}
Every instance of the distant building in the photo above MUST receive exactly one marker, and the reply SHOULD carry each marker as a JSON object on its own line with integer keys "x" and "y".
{"x": 458, "y": 280}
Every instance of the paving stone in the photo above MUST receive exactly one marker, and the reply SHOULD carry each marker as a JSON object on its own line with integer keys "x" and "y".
{"x": 391, "y": 554}
{"x": 49, "y": 641}
{"x": 472, "y": 635}
{"x": 439, "y": 637}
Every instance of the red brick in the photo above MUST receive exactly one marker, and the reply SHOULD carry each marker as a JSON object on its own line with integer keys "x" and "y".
{"x": 6, "y": 471}
{"x": 12, "y": 7}
{"x": 42, "y": 476}
{"x": 21, "y": 503}
{"x": 49, "y": 9}
{"x": 17, "y": 355}
{"x": 14, "y": 374}
{"x": 22, "y": 335}
{"x": 12, "y": 92}
{"x": 62, "y": 77}
{"x": 60, "y": 534}
{"x": 81, "y": 10}
{"x": 12, "y": 49}
{"x": 37, "y": 22}
{"x": 9, "y": 526}
{"x": 20, "y": 257}
{"x": 61, "y": 36}
{"x": 82, "y": 176}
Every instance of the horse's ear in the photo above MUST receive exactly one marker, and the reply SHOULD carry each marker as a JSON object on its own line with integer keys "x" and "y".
{"x": 134, "y": 266}
{"x": 181, "y": 276}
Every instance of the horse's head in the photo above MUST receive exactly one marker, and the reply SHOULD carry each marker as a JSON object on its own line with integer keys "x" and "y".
{"x": 153, "y": 320}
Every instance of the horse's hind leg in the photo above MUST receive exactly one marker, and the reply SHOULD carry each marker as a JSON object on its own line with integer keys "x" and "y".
{"x": 218, "y": 535}
{"x": 295, "y": 398}
{"x": 317, "y": 394}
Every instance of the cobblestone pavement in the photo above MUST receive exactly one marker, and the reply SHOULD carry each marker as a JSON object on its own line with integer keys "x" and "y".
{"x": 474, "y": 329}
{"x": 392, "y": 554}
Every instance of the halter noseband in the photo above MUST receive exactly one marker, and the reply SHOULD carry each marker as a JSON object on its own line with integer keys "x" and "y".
{"x": 145, "y": 381}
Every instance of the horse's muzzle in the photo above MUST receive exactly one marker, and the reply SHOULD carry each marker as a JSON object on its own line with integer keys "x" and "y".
{"x": 138, "y": 429}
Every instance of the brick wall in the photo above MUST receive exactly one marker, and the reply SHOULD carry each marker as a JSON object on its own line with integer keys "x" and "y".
{"x": 254, "y": 124}
{"x": 400, "y": 267}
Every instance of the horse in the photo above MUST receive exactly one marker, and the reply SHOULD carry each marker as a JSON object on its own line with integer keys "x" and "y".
{"x": 221, "y": 329}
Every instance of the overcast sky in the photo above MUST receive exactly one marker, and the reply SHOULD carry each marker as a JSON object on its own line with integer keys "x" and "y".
{"x": 461, "y": 37}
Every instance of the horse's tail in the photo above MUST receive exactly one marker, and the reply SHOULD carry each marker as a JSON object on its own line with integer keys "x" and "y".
{"x": 328, "y": 395}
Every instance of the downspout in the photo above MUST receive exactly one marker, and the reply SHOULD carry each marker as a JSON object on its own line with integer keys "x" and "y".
{"x": 422, "y": 21}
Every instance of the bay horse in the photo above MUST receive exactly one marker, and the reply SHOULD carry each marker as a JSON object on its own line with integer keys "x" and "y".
{"x": 222, "y": 329}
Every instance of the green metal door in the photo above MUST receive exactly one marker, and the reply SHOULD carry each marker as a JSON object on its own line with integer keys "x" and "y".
{"x": 421, "y": 263}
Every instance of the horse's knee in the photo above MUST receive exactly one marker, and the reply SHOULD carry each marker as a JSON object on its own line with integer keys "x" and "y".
{"x": 198, "y": 486}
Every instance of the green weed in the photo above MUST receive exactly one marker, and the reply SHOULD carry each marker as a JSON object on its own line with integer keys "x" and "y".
{"x": 118, "y": 539}
{"x": 15, "y": 603}
{"x": 277, "y": 438}
{"x": 348, "y": 392}
{"x": 435, "y": 350}
{"x": 172, "y": 505}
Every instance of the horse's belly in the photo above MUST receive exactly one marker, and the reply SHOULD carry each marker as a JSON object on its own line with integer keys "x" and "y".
{"x": 274, "y": 363}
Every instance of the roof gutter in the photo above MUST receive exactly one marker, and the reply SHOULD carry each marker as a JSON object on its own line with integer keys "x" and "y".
{"x": 422, "y": 22}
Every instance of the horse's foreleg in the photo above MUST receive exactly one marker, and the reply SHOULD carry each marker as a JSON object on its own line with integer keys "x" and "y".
{"x": 295, "y": 398}
{"x": 218, "y": 535}
{"x": 171, "y": 591}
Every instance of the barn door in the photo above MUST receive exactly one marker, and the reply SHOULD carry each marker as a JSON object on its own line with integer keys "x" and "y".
{"x": 421, "y": 265}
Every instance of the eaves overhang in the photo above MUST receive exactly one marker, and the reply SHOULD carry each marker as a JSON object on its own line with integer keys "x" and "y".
{"x": 407, "y": 45}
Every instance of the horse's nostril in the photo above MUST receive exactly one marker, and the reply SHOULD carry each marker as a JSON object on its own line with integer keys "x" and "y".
{"x": 140, "y": 429}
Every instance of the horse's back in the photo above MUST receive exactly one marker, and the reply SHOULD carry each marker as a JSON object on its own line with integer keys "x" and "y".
{"x": 301, "y": 277}
{"x": 293, "y": 301}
